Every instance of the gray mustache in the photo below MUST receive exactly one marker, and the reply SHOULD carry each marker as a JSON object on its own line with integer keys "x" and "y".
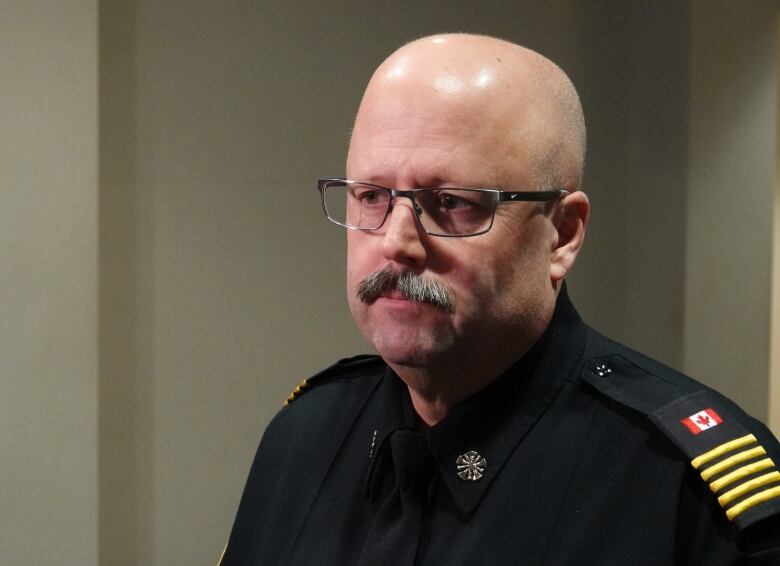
{"x": 412, "y": 286}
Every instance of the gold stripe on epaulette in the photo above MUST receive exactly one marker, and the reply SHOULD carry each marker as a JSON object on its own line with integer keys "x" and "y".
{"x": 740, "y": 473}
{"x": 743, "y": 488}
{"x": 732, "y": 461}
{"x": 297, "y": 392}
{"x": 222, "y": 556}
{"x": 737, "y": 471}
{"x": 752, "y": 501}
{"x": 724, "y": 448}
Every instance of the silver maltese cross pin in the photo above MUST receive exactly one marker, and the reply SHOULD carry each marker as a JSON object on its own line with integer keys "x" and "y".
{"x": 471, "y": 466}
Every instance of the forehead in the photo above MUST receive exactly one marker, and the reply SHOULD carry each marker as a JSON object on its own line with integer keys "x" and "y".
{"x": 427, "y": 133}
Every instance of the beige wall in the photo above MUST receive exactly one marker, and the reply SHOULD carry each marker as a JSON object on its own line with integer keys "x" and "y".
{"x": 632, "y": 74}
{"x": 48, "y": 295}
{"x": 219, "y": 284}
{"x": 731, "y": 153}
{"x": 774, "y": 331}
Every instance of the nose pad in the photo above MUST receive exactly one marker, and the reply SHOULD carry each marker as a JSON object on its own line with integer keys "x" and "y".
{"x": 415, "y": 207}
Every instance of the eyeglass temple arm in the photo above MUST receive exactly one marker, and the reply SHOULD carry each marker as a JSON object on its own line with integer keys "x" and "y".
{"x": 531, "y": 196}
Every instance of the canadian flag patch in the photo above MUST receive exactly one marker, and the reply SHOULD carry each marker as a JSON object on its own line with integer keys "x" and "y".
{"x": 702, "y": 420}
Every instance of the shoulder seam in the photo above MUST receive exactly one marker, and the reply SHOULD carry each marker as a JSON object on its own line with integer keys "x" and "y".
{"x": 348, "y": 368}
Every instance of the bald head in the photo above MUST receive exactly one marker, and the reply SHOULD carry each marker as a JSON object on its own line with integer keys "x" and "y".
{"x": 519, "y": 107}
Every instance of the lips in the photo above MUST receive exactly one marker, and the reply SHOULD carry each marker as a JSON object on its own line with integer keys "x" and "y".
{"x": 394, "y": 294}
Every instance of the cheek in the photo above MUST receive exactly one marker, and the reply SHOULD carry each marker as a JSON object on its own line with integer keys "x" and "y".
{"x": 475, "y": 280}
{"x": 493, "y": 285}
{"x": 355, "y": 273}
{"x": 522, "y": 278}
{"x": 353, "y": 253}
{"x": 361, "y": 259}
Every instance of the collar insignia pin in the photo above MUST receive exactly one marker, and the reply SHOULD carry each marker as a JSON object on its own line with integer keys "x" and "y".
{"x": 471, "y": 466}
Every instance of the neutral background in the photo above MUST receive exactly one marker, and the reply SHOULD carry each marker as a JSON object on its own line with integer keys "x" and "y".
{"x": 167, "y": 277}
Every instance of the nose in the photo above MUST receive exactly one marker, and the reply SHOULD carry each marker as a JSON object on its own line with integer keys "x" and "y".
{"x": 403, "y": 238}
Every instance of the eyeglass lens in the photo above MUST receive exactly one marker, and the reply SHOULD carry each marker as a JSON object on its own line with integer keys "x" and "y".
{"x": 441, "y": 211}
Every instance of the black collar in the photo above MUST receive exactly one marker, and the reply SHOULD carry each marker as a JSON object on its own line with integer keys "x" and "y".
{"x": 493, "y": 421}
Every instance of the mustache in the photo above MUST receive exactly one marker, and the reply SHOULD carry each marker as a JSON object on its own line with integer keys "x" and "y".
{"x": 411, "y": 285}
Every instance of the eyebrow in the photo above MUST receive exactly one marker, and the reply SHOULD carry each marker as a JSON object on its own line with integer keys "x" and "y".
{"x": 432, "y": 182}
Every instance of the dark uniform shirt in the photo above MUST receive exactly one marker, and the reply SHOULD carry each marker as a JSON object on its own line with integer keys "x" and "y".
{"x": 583, "y": 452}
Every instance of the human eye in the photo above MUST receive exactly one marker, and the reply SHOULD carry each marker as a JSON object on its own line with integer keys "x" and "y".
{"x": 367, "y": 196}
{"x": 455, "y": 211}
{"x": 459, "y": 200}
{"x": 448, "y": 201}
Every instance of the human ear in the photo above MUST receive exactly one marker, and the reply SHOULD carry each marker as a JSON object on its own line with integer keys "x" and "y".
{"x": 570, "y": 220}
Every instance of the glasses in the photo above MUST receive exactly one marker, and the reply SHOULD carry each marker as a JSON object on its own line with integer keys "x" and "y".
{"x": 440, "y": 212}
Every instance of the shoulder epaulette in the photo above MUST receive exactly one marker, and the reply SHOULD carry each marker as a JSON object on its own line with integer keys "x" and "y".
{"x": 344, "y": 368}
{"x": 712, "y": 432}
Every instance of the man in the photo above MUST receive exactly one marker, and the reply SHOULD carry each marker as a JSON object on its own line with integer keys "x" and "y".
{"x": 495, "y": 427}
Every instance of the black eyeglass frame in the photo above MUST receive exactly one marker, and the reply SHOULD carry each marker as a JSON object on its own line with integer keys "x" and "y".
{"x": 501, "y": 196}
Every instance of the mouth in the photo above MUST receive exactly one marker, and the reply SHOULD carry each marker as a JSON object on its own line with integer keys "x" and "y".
{"x": 394, "y": 294}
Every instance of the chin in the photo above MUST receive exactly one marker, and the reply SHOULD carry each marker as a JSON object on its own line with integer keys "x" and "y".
{"x": 419, "y": 348}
